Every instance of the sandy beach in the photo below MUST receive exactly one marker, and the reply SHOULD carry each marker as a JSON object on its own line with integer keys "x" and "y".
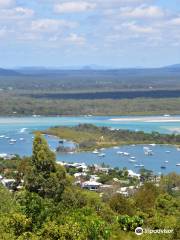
{"x": 154, "y": 119}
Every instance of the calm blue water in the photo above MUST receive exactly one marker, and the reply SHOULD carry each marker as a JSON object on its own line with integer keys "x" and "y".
{"x": 17, "y": 128}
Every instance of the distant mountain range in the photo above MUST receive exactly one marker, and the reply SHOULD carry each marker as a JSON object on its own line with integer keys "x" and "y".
{"x": 8, "y": 72}
{"x": 86, "y": 69}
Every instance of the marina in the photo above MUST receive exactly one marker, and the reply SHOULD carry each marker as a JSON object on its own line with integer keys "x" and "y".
{"x": 15, "y": 131}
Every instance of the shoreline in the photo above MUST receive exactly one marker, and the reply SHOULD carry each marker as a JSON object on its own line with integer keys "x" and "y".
{"x": 153, "y": 119}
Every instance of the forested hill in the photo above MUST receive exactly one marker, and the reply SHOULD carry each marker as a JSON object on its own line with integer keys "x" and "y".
{"x": 91, "y": 79}
{"x": 7, "y": 72}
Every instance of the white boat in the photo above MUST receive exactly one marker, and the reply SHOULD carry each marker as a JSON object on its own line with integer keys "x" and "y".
{"x": 69, "y": 152}
{"x": 2, "y": 136}
{"x": 148, "y": 151}
{"x": 166, "y": 161}
{"x": 120, "y": 153}
{"x": 139, "y": 165}
{"x": 133, "y": 161}
{"x": 178, "y": 149}
{"x": 21, "y": 139}
{"x": 101, "y": 155}
{"x": 116, "y": 147}
{"x": 12, "y": 141}
{"x": 152, "y": 144}
{"x": 168, "y": 151}
{"x": 23, "y": 130}
{"x": 178, "y": 164}
{"x": 126, "y": 154}
{"x": 95, "y": 152}
{"x": 132, "y": 158}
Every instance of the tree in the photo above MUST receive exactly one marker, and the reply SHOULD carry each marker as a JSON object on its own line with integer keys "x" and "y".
{"x": 45, "y": 177}
{"x": 121, "y": 204}
{"x": 128, "y": 223}
{"x": 167, "y": 205}
{"x": 145, "y": 197}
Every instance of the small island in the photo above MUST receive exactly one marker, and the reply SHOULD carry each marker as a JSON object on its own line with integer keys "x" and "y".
{"x": 88, "y": 137}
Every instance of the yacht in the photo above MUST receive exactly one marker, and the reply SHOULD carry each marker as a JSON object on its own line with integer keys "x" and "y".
{"x": 148, "y": 151}
{"x": 163, "y": 167}
{"x": 70, "y": 152}
{"x": 101, "y": 155}
{"x": 133, "y": 161}
{"x": 120, "y": 153}
{"x": 178, "y": 164}
{"x": 139, "y": 165}
{"x": 116, "y": 147}
{"x": 152, "y": 144}
{"x": 102, "y": 149}
{"x": 126, "y": 154}
{"x": 95, "y": 151}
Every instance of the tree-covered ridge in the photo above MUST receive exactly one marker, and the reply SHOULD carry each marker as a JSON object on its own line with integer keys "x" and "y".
{"x": 15, "y": 104}
{"x": 90, "y": 137}
{"x": 49, "y": 206}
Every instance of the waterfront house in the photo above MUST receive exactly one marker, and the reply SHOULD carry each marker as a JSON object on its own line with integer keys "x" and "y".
{"x": 8, "y": 183}
{"x": 91, "y": 185}
{"x": 133, "y": 174}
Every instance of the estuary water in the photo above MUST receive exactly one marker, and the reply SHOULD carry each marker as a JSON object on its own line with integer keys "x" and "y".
{"x": 16, "y": 138}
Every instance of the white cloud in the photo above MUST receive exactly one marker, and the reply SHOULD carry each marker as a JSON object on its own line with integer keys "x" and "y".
{"x": 114, "y": 4}
{"x": 142, "y": 12}
{"x": 15, "y": 13}
{"x": 75, "y": 39}
{"x": 50, "y": 25}
{"x": 74, "y": 7}
{"x": 6, "y": 3}
{"x": 129, "y": 27}
{"x": 140, "y": 29}
{"x": 175, "y": 21}
{"x": 3, "y": 32}
{"x": 24, "y": 11}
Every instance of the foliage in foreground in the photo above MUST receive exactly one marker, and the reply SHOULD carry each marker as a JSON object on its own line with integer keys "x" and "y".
{"x": 50, "y": 207}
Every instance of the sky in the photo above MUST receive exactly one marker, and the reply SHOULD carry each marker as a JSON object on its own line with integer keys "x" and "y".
{"x": 109, "y": 33}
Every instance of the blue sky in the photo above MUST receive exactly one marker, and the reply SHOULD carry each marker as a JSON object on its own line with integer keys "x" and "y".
{"x": 115, "y": 33}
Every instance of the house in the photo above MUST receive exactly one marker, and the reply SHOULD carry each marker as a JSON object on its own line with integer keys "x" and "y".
{"x": 127, "y": 191}
{"x": 94, "y": 178}
{"x": 8, "y": 183}
{"x": 91, "y": 185}
{"x": 78, "y": 166}
{"x": 7, "y": 156}
{"x": 101, "y": 169}
{"x": 81, "y": 174}
{"x": 133, "y": 174}
{"x": 123, "y": 191}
